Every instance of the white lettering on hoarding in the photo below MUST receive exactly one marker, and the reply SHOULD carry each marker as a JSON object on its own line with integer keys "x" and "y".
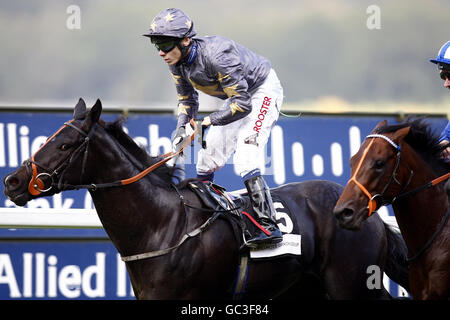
{"x": 24, "y": 131}
{"x": 7, "y": 276}
{"x": 2, "y": 146}
{"x": 12, "y": 142}
{"x": 156, "y": 142}
{"x": 122, "y": 279}
{"x": 354, "y": 140}
{"x": 298, "y": 162}
{"x": 279, "y": 171}
{"x": 336, "y": 159}
{"x": 51, "y": 281}
{"x": 317, "y": 165}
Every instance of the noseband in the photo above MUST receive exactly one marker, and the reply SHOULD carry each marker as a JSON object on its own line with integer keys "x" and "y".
{"x": 373, "y": 203}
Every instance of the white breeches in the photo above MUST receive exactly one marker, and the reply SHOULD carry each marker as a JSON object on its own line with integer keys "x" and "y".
{"x": 246, "y": 137}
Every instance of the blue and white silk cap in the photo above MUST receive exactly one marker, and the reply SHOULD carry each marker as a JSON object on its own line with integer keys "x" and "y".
{"x": 443, "y": 56}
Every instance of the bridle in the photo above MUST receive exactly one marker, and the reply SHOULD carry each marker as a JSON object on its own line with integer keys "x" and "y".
{"x": 378, "y": 200}
{"x": 373, "y": 205}
{"x": 37, "y": 186}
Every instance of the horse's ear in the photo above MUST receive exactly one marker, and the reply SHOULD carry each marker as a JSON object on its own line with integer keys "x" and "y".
{"x": 379, "y": 125}
{"x": 80, "y": 110}
{"x": 400, "y": 134}
{"x": 93, "y": 115}
{"x": 96, "y": 111}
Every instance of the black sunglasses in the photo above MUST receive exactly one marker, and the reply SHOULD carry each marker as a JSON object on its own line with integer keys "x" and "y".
{"x": 445, "y": 75}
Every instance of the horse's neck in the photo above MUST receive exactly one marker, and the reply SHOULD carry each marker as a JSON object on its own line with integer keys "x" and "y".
{"x": 419, "y": 214}
{"x": 137, "y": 216}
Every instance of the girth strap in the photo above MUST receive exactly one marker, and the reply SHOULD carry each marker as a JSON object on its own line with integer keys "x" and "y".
{"x": 185, "y": 237}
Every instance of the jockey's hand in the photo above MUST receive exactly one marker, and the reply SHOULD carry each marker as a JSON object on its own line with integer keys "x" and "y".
{"x": 206, "y": 122}
{"x": 446, "y": 152}
{"x": 179, "y": 139}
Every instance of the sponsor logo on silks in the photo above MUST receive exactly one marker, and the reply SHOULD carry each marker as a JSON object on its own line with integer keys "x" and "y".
{"x": 262, "y": 113}
{"x": 192, "y": 54}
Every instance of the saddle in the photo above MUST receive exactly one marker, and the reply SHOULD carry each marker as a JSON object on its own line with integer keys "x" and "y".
{"x": 236, "y": 208}
{"x": 215, "y": 198}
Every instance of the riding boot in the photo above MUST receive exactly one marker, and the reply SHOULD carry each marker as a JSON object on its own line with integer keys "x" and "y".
{"x": 262, "y": 204}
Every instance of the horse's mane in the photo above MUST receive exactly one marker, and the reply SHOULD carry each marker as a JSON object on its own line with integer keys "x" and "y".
{"x": 423, "y": 139}
{"x": 163, "y": 176}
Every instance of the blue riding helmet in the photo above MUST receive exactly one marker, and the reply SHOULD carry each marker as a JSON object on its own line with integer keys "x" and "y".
{"x": 171, "y": 22}
{"x": 443, "y": 57}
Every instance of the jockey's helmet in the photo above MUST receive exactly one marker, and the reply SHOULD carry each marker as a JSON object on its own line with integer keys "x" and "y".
{"x": 173, "y": 23}
{"x": 443, "y": 57}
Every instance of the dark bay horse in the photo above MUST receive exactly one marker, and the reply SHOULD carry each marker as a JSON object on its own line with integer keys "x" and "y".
{"x": 401, "y": 164}
{"x": 150, "y": 215}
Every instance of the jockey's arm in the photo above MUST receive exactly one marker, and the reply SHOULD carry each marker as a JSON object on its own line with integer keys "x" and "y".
{"x": 445, "y": 140}
{"x": 187, "y": 99}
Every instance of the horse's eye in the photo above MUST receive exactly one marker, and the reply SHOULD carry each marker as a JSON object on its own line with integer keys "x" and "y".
{"x": 64, "y": 147}
{"x": 379, "y": 164}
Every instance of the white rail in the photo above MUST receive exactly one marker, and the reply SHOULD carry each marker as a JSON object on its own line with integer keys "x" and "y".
{"x": 84, "y": 218}
{"x": 48, "y": 218}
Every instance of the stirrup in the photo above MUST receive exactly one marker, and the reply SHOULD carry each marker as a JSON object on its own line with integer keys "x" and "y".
{"x": 262, "y": 238}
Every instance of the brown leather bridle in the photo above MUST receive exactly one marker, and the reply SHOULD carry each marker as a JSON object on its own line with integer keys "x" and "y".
{"x": 373, "y": 204}
{"x": 37, "y": 186}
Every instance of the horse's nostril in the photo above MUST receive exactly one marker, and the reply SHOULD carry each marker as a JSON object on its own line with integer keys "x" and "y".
{"x": 12, "y": 182}
{"x": 343, "y": 213}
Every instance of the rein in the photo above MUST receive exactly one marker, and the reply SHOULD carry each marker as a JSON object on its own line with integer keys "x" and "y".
{"x": 430, "y": 241}
{"x": 36, "y": 185}
{"x": 372, "y": 199}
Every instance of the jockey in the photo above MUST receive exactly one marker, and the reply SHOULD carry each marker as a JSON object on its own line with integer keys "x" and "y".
{"x": 253, "y": 96}
{"x": 443, "y": 62}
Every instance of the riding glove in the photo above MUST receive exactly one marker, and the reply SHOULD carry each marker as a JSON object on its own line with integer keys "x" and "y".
{"x": 179, "y": 139}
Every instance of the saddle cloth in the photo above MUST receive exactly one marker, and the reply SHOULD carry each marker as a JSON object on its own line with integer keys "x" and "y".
{"x": 238, "y": 211}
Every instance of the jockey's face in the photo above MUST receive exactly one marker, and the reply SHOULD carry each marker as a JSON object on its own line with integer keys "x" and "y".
{"x": 174, "y": 56}
{"x": 447, "y": 81}
{"x": 171, "y": 57}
